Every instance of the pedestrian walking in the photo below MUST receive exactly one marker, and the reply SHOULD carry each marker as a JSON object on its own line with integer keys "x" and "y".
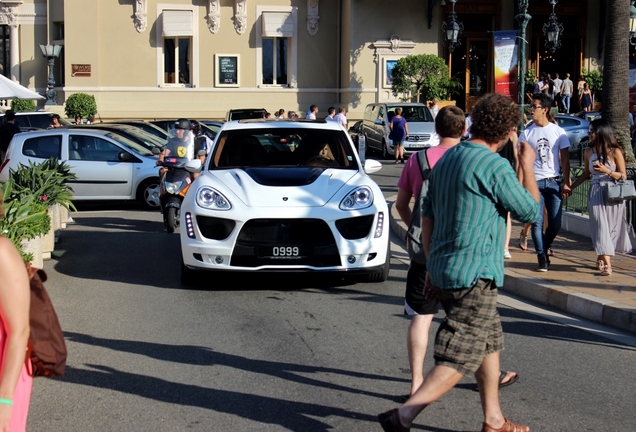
{"x": 566, "y": 89}
{"x": 550, "y": 143}
{"x": 399, "y": 133}
{"x": 558, "y": 85}
{"x": 465, "y": 260}
{"x": 342, "y": 118}
{"x": 605, "y": 161}
{"x": 585, "y": 98}
{"x": 15, "y": 381}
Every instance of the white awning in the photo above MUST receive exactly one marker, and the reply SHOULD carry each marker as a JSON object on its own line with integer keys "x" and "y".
{"x": 277, "y": 24}
{"x": 177, "y": 23}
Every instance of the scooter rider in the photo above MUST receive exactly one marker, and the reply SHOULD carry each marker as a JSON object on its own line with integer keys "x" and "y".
{"x": 181, "y": 145}
{"x": 201, "y": 140}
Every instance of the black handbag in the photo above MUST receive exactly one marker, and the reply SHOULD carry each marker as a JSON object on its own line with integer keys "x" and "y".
{"x": 620, "y": 190}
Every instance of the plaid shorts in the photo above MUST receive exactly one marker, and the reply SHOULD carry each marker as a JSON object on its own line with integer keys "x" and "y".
{"x": 472, "y": 328}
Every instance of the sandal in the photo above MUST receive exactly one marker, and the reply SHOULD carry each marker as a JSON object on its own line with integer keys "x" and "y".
{"x": 606, "y": 271}
{"x": 600, "y": 265}
{"x": 523, "y": 241}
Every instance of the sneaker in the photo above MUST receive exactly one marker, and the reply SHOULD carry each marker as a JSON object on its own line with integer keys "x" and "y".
{"x": 507, "y": 255}
{"x": 544, "y": 262}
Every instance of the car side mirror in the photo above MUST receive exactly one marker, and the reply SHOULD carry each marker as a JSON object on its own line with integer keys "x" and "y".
{"x": 193, "y": 166}
{"x": 124, "y": 156}
{"x": 372, "y": 166}
{"x": 202, "y": 153}
{"x": 156, "y": 151}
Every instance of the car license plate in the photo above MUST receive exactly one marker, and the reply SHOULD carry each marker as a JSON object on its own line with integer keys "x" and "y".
{"x": 283, "y": 252}
{"x": 417, "y": 146}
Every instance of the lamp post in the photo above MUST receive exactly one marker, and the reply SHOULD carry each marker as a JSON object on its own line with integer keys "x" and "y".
{"x": 632, "y": 22}
{"x": 553, "y": 31}
{"x": 522, "y": 18}
{"x": 51, "y": 52}
{"x": 452, "y": 29}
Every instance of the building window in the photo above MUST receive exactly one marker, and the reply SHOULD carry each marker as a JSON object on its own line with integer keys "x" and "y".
{"x": 275, "y": 61}
{"x": 5, "y": 51}
{"x": 177, "y": 55}
{"x": 276, "y": 43}
{"x": 176, "y": 65}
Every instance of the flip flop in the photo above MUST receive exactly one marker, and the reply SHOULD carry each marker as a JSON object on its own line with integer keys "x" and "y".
{"x": 512, "y": 380}
{"x": 523, "y": 241}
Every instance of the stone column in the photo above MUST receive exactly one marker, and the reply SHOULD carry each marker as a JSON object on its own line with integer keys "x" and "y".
{"x": 14, "y": 49}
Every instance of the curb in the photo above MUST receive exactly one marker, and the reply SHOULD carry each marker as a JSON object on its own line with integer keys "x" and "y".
{"x": 583, "y": 305}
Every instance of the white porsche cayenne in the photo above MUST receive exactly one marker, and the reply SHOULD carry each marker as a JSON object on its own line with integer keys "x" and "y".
{"x": 287, "y": 196}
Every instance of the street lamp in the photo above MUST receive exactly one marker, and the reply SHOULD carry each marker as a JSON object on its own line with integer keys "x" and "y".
{"x": 553, "y": 31}
{"x": 632, "y": 23}
{"x": 522, "y": 18}
{"x": 452, "y": 29}
{"x": 51, "y": 52}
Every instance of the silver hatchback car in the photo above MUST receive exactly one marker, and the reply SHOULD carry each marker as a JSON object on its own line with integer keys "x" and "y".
{"x": 107, "y": 165}
{"x": 576, "y": 130}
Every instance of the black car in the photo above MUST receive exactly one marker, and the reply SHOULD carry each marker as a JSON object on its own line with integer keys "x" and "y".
{"x": 168, "y": 126}
{"x": 146, "y": 127}
{"x": 134, "y": 134}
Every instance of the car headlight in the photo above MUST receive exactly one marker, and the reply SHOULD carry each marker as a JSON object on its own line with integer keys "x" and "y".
{"x": 210, "y": 198}
{"x": 173, "y": 188}
{"x": 357, "y": 199}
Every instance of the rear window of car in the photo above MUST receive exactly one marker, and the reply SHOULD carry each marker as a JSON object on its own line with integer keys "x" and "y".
{"x": 43, "y": 147}
{"x": 283, "y": 147}
{"x": 567, "y": 122}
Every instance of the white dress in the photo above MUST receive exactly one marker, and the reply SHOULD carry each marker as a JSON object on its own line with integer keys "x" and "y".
{"x": 608, "y": 226}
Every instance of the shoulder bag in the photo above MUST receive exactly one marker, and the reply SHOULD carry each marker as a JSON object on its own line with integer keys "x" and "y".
{"x": 620, "y": 190}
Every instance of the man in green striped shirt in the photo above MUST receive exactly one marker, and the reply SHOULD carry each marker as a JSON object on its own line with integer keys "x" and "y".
{"x": 463, "y": 223}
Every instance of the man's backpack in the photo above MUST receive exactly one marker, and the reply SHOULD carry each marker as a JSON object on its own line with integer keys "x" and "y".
{"x": 46, "y": 349}
{"x": 414, "y": 234}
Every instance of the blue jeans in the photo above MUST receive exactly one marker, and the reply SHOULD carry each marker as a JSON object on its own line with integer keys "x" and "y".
{"x": 565, "y": 99}
{"x": 550, "y": 192}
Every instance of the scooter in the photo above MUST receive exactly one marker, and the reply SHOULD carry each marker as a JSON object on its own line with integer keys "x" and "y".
{"x": 174, "y": 184}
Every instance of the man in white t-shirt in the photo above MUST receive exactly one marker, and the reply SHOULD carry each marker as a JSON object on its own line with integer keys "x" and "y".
{"x": 341, "y": 118}
{"x": 552, "y": 171}
{"x": 557, "y": 89}
{"x": 311, "y": 114}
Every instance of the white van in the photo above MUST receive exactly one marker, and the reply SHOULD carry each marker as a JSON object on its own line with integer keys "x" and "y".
{"x": 376, "y": 127}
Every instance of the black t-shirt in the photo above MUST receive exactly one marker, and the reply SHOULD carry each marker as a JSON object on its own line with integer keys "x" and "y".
{"x": 7, "y": 130}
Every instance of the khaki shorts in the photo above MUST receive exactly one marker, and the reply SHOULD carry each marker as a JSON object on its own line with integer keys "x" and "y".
{"x": 472, "y": 328}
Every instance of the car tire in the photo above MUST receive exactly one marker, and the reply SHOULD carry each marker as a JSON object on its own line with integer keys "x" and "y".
{"x": 172, "y": 220}
{"x": 382, "y": 274}
{"x": 189, "y": 277}
{"x": 148, "y": 193}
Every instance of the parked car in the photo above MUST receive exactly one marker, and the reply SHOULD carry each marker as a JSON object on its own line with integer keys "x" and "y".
{"x": 290, "y": 196}
{"x": 214, "y": 125}
{"x": 134, "y": 134}
{"x": 245, "y": 114}
{"x": 376, "y": 127}
{"x": 107, "y": 165}
{"x": 355, "y": 131}
{"x": 576, "y": 129}
{"x": 145, "y": 126}
{"x": 168, "y": 126}
{"x": 29, "y": 120}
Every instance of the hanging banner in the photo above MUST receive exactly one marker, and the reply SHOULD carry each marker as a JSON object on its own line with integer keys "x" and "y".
{"x": 506, "y": 63}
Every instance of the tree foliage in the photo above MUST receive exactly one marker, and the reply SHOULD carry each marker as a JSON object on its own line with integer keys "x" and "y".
{"x": 594, "y": 80}
{"x": 80, "y": 105}
{"x": 425, "y": 75}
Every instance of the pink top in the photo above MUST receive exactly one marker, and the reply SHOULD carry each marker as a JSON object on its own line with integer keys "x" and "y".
{"x": 411, "y": 178}
{"x": 22, "y": 394}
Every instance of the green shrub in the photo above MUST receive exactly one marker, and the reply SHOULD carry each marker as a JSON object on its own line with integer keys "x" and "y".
{"x": 18, "y": 105}
{"x": 80, "y": 105}
{"x": 424, "y": 74}
{"x": 594, "y": 80}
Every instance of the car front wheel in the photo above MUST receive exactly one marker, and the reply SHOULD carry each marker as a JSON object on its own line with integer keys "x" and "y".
{"x": 148, "y": 193}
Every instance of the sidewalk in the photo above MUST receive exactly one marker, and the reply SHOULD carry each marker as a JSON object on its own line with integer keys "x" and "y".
{"x": 572, "y": 284}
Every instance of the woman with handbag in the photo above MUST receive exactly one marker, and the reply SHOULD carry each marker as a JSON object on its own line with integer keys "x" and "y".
{"x": 15, "y": 296}
{"x": 605, "y": 161}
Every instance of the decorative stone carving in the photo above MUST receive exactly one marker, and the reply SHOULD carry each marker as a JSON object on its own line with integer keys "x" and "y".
{"x": 312, "y": 16}
{"x": 7, "y": 17}
{"x": 240, "y": 16}
{"x": 394, "y": 45}
{"x": 214, "y": 16}
{"x": 141, "y": 16}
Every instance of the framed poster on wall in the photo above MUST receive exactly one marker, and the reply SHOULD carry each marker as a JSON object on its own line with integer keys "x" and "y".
{"x": 388, "y": 69}
{"x": 226, "y": 70}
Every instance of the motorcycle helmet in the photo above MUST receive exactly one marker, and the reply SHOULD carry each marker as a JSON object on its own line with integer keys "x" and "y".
{"x": 196, "y": 127}
{"x": 183, "y": 124}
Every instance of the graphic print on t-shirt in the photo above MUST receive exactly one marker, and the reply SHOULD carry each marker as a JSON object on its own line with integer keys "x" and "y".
{"x": 182, "y": 151}
{"x": 544, "y": 153}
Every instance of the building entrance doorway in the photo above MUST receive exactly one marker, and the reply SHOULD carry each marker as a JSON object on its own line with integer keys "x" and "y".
{"x": 470, "y": 65}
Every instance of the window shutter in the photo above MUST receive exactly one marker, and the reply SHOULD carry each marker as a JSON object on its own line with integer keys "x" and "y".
{"x": 277, "y": 24}
{"x": 177, "y": 23}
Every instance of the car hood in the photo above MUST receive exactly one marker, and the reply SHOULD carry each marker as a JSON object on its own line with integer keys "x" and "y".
{"x": 275, "y": 187}
{"x": 421, "y": 128}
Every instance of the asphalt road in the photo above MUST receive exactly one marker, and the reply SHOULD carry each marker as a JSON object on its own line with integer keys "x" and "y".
{"x": 278, "y": 353}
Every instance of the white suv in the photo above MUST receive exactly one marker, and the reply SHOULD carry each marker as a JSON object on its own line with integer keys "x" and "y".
{"x": 107, "y": 165}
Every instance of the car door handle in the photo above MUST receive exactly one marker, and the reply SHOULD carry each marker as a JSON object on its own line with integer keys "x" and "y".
{"x": 576, "y": 131}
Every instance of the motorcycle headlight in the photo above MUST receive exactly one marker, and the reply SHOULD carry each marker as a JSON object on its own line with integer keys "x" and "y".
{"x": 212, "y": 199}
{"x": 357, "y": 199}
{"x": 173, "y": 188}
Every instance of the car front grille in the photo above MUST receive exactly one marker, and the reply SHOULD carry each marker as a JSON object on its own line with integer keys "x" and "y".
{"x": 312, "y": 237}
{"x": 419, "y": 137}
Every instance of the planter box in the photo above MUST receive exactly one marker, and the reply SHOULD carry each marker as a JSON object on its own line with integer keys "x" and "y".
{"x": 34, "y": 246}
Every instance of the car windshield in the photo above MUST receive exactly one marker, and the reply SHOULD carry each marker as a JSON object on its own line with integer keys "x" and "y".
{"x": 137, "y": 148}
{"x": 148, "y": 138}
{"x": 283, "y": 147}
{"x": 416, "y": 113}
